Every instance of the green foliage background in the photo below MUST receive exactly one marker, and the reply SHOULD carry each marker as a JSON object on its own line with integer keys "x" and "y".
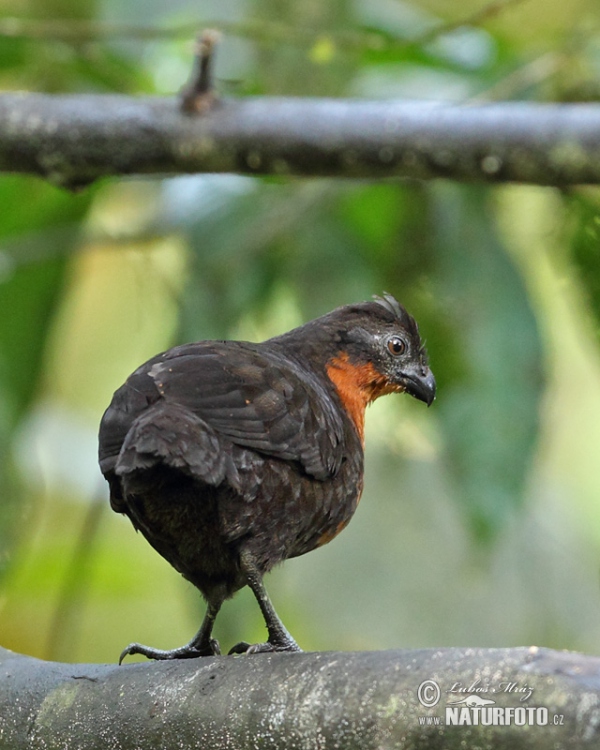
{"x": 480, "y": 523}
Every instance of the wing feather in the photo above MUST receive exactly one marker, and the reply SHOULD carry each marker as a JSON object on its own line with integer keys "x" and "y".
{"x": 242, "y": 392}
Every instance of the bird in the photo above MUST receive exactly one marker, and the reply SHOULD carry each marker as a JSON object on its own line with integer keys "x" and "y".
{"x": 231, "y": 457}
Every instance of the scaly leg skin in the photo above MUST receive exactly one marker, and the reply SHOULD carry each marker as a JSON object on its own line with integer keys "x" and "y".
{"x": 200, "y": 645}
{"x": 279, "y": 638}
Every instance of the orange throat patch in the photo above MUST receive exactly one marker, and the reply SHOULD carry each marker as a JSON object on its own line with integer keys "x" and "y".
{"x": 358, "y": 386}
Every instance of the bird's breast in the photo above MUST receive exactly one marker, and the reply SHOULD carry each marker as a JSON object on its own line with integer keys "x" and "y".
{"x": 357, "y": 385}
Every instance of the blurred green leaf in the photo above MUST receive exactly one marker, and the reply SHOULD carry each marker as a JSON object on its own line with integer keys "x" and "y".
{"x": 103, "y": 68}
{"x": 489, "y": 409}
{"x": 232, "y": 266}
{"x": 584, "y": 226}
{"x": 32, "y": 272}
{"x": 29, "y": 294}
{"x": 13, "y": 54}
{"x": 246, "y": 246}
{"x": 27, "y": 301}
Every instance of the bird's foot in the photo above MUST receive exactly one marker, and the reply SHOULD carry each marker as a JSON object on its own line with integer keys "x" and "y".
{"x": 287, "y": 644}
{"x": 189, "y": 651}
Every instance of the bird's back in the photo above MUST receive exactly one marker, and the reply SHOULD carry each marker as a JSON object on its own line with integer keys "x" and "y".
{"x": 215, "y": 445}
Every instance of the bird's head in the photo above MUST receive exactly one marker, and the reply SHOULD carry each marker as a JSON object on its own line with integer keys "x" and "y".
{"x": 370, "y": 349}
{"x": 379, "y": 346}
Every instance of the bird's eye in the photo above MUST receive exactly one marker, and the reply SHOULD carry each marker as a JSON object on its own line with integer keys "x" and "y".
{"x": 396, "y": 346}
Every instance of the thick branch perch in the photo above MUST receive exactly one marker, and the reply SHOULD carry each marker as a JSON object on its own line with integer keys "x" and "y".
{"x": 327, "y": 700}
{"x": 73, "y": 140}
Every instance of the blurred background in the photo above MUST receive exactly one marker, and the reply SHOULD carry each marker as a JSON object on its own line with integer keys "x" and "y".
{"x": 480, "y": 521}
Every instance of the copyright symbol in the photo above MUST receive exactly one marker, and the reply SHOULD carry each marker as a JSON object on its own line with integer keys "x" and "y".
{"x": 429, "y": 693}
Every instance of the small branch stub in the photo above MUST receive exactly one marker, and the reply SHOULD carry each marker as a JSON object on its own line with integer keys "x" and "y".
{"x": 198, "y": 96}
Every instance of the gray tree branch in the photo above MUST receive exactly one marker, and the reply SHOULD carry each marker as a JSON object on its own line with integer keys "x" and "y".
{"x": 364, "y": 700}
{"x": 74, "y": 140}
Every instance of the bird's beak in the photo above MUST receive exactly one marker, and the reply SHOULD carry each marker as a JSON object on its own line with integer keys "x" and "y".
{"x": 420, "y": 384}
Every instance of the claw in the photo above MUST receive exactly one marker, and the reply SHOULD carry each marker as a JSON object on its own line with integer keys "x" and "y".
{"x": 239, "y": 648}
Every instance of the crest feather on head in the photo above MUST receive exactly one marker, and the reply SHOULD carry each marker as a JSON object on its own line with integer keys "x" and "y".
{"x": 392, "y": 305}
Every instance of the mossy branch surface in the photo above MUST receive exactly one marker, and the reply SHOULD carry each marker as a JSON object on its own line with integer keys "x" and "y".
{"x": 362, "y": 700}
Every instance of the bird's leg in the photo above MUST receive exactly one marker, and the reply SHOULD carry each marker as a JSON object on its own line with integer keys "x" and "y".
{"x": 201, "y": 644}
{"x": 279, "y": 638}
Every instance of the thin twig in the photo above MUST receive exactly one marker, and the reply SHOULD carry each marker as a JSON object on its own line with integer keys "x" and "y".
{"x": 532, "y": 73}
{"x": 477, "y": 18}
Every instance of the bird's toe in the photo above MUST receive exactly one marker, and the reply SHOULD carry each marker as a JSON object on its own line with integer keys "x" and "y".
{"x": 191, "y": 651}
{"x": 268, "y": 647}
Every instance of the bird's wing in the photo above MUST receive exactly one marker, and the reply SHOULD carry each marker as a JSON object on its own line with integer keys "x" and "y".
{"x": 171, "y": 434}
{"x": 248, "y": 395}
